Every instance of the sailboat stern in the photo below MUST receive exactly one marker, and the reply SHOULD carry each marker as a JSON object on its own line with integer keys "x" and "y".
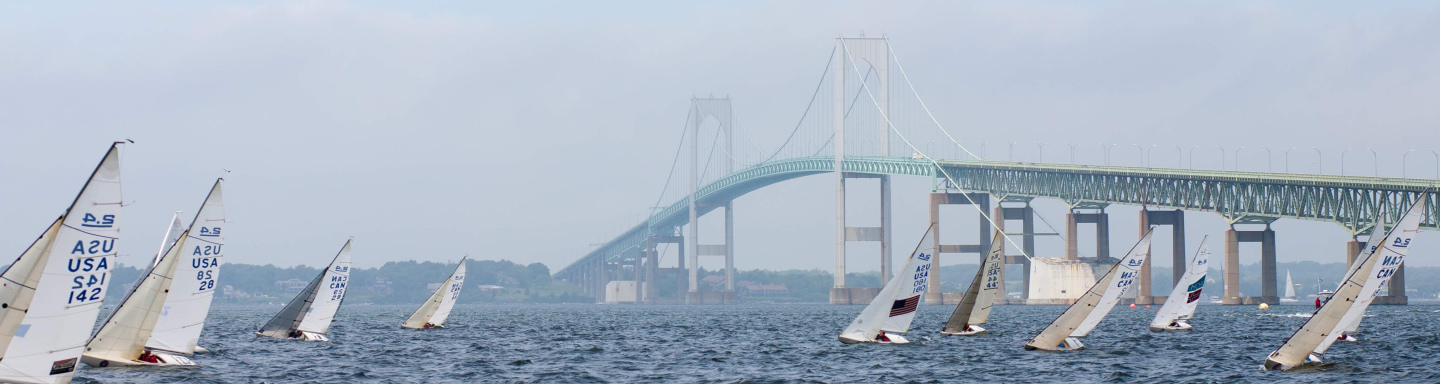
{"x": 970, "y": 330}
{"x": 161, "y": 359}
{"x": 1178, "y": 325}
{"x": 1069, "y": 344}
{"x": 888, "y": 338}
{"x": 312, "y": 336}
{"x": 1272, "y": 365}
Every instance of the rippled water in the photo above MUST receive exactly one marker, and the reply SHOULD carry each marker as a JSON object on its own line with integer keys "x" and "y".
{"x": 782, "y": 343}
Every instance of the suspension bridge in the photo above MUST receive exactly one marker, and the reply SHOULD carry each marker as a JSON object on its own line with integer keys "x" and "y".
{"x": 855, "y": 127}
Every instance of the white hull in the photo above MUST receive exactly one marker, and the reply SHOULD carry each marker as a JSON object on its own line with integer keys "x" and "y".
{"x": 1178, "y": 326}
{"x": 199, "y": 349}
{"x": 304, "y": 336}
{"x": 1275, "y": 365}
{"x": 1070, "y": 344}
{"x": 165, "y": 359}
{"x": 894, "y": 339}
{"x": 969, "y": 331}
{"x": 1289, "y": 300}
{"x": 423, "y": 327}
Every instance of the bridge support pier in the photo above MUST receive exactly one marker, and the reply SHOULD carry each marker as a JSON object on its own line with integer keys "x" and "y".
{"x": 933, "y": 294}
{"x": 1026, "y": 215}
{"x": 1268, "y": 284}
{"x": 1102, "y": 233}
{"x": 1176, "y": 220}
{"x": 840, "y": 293}
{"x": 727, "y": 251}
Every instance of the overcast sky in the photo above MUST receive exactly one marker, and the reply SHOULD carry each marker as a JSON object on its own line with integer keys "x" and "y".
{"x": 529, "y": 130}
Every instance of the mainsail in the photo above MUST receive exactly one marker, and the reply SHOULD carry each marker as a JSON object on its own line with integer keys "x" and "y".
{"x": 1289, "y": 286}
{"x": 51, "y": 294}
{"x": 122, "y": 337}
{"x": 315, "y": 306}
{"x": 437, "y": 309}
{"x": 183, "y": 317}
{"x": 1393, "y": 255}
{"x": 1186, "y": 295}
{"x": 894, "y": 307}
{"x": 1329, "y": 318}
{"x": 974, "y": 308}
{"x": 172, "y": 234}
{"x": 1086, "y": 313}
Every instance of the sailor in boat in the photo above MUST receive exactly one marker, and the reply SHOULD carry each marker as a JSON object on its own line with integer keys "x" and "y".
{"x": 148, "y": 357}
{"x": 295, "y": 334}
{"x": 880, "y": 337}
{"x": 428, "y": 326}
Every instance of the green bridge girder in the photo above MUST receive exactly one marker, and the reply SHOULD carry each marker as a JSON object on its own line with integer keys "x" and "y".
{"x": 1353, "y": 202}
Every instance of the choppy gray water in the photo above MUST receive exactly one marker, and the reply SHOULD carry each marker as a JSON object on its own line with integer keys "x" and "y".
{"x": 782, "y": 343}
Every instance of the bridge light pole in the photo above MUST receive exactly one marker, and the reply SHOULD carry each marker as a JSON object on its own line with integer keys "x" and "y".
{"x": 1192, "y": 156}
{"x": 1222, "y": 157}
{"x": 1011, "y": 155}
{"x": 1072, "y": 152}
{"x": 982, "y": 149}
{"x": 1237, "y": 157}
{"x": 1179, "y": 156}
{"x": 1041, "y": 157}
{"x": 1269, "y": 164}
{"x": 1147, "y": 155}
{"x": 1320, "y": 160}
{"x": 1107, "y": 151}
{"x": 1342, "y": 161}
{"x": 1374, "y": 161}
{"x": 1140, "y": 149}
{"x": 1287, "y": 159}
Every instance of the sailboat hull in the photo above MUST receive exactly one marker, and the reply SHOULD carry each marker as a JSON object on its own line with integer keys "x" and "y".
{"x": 969, "y": 331}
{"x": 894, "y": 339}
{"x": 304, "y": 336}
{"x": 163, "y": 358}
{"x": 1273, "y": 365}
{"x": 1070, "y": 344}
{"x": 1178, "y": 326}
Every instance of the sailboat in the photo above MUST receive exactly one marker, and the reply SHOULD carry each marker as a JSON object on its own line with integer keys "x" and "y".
{"x": 164, "y": 295}
{"x": 1372, "y": 270}
{"x": 890, "y": 314}
{"x": 1063, "y": 334}
{"x": 183, "y": 318}
{"x": 433, "y": 313}
{"x": 974, "y": 308}
{"x": 307, "y": 316}
{"x": 51, "y": 295}
{"x": 1350, "y": 323}
{"x": 1186, "y": 295}
{"x": 1289, "y": 290}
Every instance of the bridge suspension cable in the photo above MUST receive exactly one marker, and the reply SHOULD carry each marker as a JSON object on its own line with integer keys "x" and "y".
{"x": 891, "y": 126}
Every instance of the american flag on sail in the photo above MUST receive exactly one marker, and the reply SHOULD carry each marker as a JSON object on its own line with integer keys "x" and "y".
{"x": 905, "y": 306}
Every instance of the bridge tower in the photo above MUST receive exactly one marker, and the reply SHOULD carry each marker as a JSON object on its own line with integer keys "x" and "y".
{"x": 718, "y": 109}
{"x": 876, "y": 53}
{"x": 1266, "y": 238}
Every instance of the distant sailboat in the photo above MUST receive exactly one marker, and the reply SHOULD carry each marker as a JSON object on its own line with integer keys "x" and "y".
{"x": 1063, "y": 334}
{"x": 164, "y": 292}
{"x": 181, "y": 322}
{"x": 974, "y": 308}
{"x": 1180, "y": 306}
{"x": 433, "y": 313}
{"x": 51, "y": 294}
{"x": 890, "y": 314}
{"x": 1372, "y": 270}
{"x": 307, "y": 316}
{"x": 1289, "y": 290}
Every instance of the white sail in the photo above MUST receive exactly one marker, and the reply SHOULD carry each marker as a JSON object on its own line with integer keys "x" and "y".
{"x": 437, "y": 308}
{"x": 975, "y": 306}
{"x": 1289, "y": 286}
{"x": 1086, "y": 313}
{"x": 315, "y": 306}
{"x": 894, "y": 307}
{"x": 1328, "y": 319}
{"x": 122, "y": 337}
{"x": 172, "y": 234}
{"x": 1392, "y": 255}
{"x": 52, "y": 293}
{"x": 1186, "y": 296}
{"x": 186, "y": 308}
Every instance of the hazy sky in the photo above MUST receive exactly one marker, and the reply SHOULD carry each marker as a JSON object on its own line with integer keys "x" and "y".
{"x": 529, "y": 130}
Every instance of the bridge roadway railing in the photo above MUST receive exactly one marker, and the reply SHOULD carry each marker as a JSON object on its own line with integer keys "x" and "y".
{"x": 1242, "y": 197}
